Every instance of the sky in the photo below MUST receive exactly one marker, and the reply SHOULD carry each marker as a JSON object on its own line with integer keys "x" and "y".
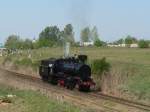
{"x": 114, "y": 18}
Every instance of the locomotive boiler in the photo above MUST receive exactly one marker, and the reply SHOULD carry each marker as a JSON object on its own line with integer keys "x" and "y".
{"x": 68, "y": 72}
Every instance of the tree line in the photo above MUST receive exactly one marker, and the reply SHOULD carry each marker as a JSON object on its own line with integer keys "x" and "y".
{"x": 52, "y": 36}
{"x": 49, "y": 37}
{"x": 132, "y": 40}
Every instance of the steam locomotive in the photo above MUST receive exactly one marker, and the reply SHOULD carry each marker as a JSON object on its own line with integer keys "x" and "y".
{"x": 68, "y": 72}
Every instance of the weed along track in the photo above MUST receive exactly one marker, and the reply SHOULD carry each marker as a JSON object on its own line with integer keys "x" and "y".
{"x": 123, "y": 101}
{"x": 94, "y": 101}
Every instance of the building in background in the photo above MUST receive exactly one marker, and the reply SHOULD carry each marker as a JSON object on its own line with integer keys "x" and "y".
{"x": 134, "y": 46}
{"x": 123, "y": 45}
{"x": 87, "y": 44}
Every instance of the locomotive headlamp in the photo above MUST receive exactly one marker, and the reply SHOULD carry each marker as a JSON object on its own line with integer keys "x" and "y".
{"x": 50, "y": 65}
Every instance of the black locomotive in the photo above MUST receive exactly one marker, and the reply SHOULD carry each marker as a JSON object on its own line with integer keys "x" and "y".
{"x": 67, "y": 72}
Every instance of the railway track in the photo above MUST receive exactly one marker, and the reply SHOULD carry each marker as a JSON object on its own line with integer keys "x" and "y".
{"x": 123, "y": 101}
{"x": 60, "y": 93}
{"x": 83, "y": 99}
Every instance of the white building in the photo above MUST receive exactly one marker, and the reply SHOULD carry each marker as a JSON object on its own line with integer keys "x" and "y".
{"x": 86, "y": 43}
{"x": 115, "y": 45}
{"x": 134, "y": 45}
{"x": 34, "y": 40}
{"x": 123, "y": 45}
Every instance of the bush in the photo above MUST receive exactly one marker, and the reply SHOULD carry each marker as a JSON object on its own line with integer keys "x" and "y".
{"x": 7, "y": 59}
{"x": 100, "y": 66}
{"x": 35, "y": 65}
{"x": 24, "y": 61}
{"x": 143, "y": 44}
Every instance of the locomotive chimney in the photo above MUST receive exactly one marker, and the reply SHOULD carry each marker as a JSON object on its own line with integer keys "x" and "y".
{"x": 66, "y": 49}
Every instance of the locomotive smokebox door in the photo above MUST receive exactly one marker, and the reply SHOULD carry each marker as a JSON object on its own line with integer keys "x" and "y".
{"x": 82, "y": 58}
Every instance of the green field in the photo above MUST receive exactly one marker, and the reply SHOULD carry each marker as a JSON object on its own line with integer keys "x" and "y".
{"x": 130, "y": 68}
{"x": 29, "y": 101}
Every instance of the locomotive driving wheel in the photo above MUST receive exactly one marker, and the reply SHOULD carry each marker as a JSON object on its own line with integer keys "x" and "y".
{"x": 70, "y": 83}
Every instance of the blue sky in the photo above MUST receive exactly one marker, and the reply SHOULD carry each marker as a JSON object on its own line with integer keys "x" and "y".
{"x": 114, "y": 18}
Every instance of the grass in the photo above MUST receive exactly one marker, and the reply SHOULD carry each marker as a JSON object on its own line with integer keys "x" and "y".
{"x": 130, "y": 67}
{"x": 29, "y": 101}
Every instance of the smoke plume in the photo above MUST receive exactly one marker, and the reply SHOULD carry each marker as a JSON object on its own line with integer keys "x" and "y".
{"x": 80, "y": 12}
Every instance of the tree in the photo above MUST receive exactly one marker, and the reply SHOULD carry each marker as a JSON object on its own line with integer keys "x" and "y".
{"x": 99, "y": 43}
{"x": 143, "y": 44}
{"x": 49, "y": 37}
{"x": 94, "y": 34}
{"x": 130, "y": 40}
{"x": 13, "y": 42}
{"x": 134, "y": 40}
{"x": 68, "y": 34}
{"x": 27, "y": 44}
{"x": 85, "y": 35}
{"x": 120, "y": 41}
